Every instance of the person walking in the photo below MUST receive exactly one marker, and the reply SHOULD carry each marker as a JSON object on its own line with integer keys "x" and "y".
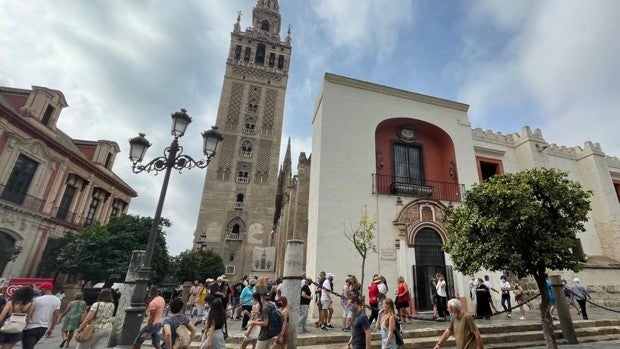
{"x": 520, "y": 299}
{"x": 490, "y": 287}
{"x": 506, "y": 288}
{"x": 44, "y": 317}
{"x": 360, "y": 331}
{"x": 327, "y": 302}
{"x": 252, "y": 332}
{"x": 100, "y": 315}
{"x": 72, "y": 316}
{"x": 193, "y": 296}
{"x": 265, "y": 338}
{"x": 343, "y": 303}
{"x": 388, "y": 323}
{"x": 281, "y": 341}
{"x": 21, "y": 302}
{"x": 402, "y": 300}
{"x": 483, "y": 295}
{"x": 176, "y": 319}
{"x": 304, "y": 304}
{"x": 581, "y": 295}
{"x": 442, "y": 297}
{"x": 215, "y": 324}
{"x": 373, "y": 299}
{"x": 463, "y": 328}
{"x": 246, "y": 302}
{"x": 551, "y": 296}
{"x": 155, "y": 313}
{"x": 432, "y": 286}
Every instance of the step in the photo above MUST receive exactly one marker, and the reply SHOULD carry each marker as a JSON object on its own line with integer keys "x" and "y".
{"x": 517, "y": 335}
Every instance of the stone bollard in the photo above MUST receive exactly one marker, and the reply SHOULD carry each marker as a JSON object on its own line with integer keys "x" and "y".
{"x": 291, "y": 285}
{"x": 566, "y": 322}
{"x": 185, "y": 294}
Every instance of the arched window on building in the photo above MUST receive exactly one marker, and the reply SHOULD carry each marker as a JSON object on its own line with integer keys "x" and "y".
{"x": 264, "y": 25}
{"x": 260, "y": 54}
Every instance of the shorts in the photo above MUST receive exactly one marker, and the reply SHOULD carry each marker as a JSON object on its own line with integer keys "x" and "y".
{"x": 326, "y": 304}
{"x": 154, "y": 333}
{"x": 552, "y": 301}
{"x": 10, "y": 338}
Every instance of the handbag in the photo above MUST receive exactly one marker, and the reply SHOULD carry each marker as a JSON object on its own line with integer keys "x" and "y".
{"x": 399, "y": 338}
{"x": 253, "y": 334}
{"x": 183, "y": 336}
{"x": 87, "y": 332}
{"x": 15, "y": 323}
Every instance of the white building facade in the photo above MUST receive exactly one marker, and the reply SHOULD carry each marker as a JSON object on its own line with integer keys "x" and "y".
{"x": 405, "y": 157}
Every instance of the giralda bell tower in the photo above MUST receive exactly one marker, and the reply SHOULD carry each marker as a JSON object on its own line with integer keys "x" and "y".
{"x": 238, "y": 198}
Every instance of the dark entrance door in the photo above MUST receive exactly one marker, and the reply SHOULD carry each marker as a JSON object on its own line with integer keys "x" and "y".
{"x": 429, "y": 260}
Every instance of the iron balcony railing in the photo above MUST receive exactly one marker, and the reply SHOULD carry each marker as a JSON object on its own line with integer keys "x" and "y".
{"x": 422, "y": 188}
{"x": 28, "y": 202}
{"x": 234, "y": 236}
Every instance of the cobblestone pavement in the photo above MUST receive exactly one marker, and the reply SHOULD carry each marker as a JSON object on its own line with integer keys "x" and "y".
{"x": 532, "y": 316}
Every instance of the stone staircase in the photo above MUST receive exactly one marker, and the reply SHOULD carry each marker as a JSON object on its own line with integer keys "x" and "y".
{"x": 512, "y": 336}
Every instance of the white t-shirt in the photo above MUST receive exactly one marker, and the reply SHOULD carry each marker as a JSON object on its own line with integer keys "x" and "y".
{"x": 505, "y": 286}
{"x": 441, "y": 288}
{"x": 327, "y": 285}
{"x": 382, "y": 289}
{"x": 44, "y": 307}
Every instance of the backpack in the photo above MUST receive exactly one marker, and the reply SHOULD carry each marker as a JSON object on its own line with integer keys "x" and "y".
{"x": 183, "y": 337}
{"x": 275, "y": 322}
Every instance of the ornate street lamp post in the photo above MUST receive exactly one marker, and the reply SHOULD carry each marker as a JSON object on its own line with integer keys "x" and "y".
{"x": 173, "y": 158}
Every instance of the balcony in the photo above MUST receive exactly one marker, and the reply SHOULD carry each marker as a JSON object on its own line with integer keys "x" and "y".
{"x": 246, "y": 154}
{"x": 401, "y": 186}
{"x": 28, "y": 202}
{"x": 243, "y": 180}
{"x": 234, "y": 236}
{"x": 238, "y": 205}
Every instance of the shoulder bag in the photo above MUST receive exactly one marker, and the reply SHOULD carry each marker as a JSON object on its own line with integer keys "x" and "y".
{"x": 87, "y": 332}
{"x": 183, "y": 336}
{"x": 15, "y": 323}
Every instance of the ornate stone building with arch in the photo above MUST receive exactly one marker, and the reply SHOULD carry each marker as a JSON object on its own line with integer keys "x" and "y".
{"x": 50, "y": 184}
{"x": 406, "y": 158}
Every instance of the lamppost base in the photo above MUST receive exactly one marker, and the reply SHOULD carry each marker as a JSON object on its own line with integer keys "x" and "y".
{"x": 131, "y": 326}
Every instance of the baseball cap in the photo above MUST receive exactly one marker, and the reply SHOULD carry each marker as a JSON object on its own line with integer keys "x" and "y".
{"x": 46, "y": 285}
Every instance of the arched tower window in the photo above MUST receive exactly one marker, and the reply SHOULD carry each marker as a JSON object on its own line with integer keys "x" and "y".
{"x": 231, "y": 258}
{"x": 248, "y": 54}
{"x": 280, "y": 62}
{"x": 235, "y": 229}
{"x": 272, "y": 59}
{"x": 238, "y": 52}
{"x": 260, "y": 54}
{"x": 239, "y": 197}
{"x": 264, "y": 25}
{"x": 246, "y": 149}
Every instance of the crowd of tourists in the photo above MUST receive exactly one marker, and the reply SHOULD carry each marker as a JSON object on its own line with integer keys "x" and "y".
{"x": 262, "y": 311}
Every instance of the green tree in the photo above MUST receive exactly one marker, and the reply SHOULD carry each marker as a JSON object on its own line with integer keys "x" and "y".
{"x": 103, "y": 252}
{"x": 525, "y": 222}
{"x": 193, "y": 265}
{"x": 363, "y": 238}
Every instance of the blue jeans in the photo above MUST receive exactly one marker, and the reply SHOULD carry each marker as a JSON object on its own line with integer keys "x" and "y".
{"x": 154, "y": 333}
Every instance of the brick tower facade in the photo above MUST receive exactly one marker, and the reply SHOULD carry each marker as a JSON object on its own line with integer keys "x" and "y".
{"x": 238, "y": 199}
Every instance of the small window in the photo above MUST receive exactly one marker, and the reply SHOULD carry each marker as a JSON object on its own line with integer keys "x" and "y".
{"x": 108, "y": 161}
{"x": 238, "y": 52}
{"x": 48, "y": 115}
{"x": 236, "y": 229}
{"x": 272, "y": 59}
{"x": 617, "y": 189}
{"x": 230, "y": 269}
{"x": 280, "y": 62}
{"x": 248, "y": 54}
{"x": 242, "y": 177}
{"x": 488, "y": 168}
{"x": 231, "y": 258}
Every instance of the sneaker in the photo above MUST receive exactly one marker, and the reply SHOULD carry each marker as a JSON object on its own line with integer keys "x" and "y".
{"x": 324, "y": 328}
{"x": 522, "y": 318}
{"x": 554, "y": 317}
{"x": 330, "y": 326}
{"x": 509, "y": 315}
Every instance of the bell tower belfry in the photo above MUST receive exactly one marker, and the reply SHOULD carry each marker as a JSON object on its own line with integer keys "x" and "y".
{"x": 238, "y": 198}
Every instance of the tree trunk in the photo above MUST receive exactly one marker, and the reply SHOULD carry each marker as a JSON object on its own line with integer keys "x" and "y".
{"x": 362, "y": 278}
{"x": 547, "y": 322}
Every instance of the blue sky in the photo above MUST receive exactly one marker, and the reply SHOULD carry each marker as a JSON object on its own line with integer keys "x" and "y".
{"x": 125, "y": 66}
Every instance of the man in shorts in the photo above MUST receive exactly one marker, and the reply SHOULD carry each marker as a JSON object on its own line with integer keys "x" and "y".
{"x": 153, "y": 324}
{"x": 327, "y": 301}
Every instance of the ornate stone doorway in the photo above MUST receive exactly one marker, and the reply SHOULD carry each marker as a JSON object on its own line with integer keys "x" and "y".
{"x": 429, "y": 260}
